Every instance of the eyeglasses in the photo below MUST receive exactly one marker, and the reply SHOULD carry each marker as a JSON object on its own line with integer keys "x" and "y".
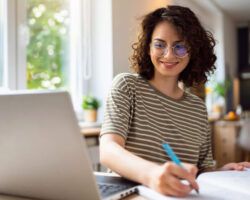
{"x": 160, "y": 49}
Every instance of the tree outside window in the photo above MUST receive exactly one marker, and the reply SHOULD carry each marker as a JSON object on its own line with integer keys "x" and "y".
{"x": 47, "y": 49}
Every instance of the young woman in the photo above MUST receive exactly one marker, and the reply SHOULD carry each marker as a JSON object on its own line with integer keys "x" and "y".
{"x": 148, "y": 108}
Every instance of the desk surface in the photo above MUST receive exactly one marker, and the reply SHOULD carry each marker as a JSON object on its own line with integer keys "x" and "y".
{"x": 132, "y": 197}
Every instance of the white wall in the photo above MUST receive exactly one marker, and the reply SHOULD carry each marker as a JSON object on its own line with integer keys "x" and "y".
{"x": 126, "y": 22}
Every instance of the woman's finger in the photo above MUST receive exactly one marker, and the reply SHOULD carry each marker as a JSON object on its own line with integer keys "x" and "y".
{"x": 245, "y": 164}
{"x": 182, "y": 173}
{"x": 178, "y": 187}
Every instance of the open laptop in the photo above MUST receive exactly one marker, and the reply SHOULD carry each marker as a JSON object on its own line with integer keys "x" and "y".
{"x": 42, "y": 153}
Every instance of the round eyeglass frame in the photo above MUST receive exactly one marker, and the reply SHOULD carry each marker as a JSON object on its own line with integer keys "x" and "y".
{"x": 162, "y": 51}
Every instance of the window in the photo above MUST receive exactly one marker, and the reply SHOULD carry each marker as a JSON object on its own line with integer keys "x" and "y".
{"x": 49, "y": 49}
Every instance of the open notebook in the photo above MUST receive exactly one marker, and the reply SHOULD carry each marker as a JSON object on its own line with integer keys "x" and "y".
{"x": 230, "y": 185}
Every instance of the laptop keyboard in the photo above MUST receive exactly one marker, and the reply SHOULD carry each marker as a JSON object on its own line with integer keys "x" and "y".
{"x": 113, "y": 186}
{"x": 108, "y": 189}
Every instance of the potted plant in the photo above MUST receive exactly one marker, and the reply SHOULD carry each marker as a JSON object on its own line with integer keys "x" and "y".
{"x": 220, "y": 90}
{"x": 90, "y": 105}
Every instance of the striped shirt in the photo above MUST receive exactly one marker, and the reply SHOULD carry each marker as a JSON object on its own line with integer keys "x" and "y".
{"x": 146, "y": 118}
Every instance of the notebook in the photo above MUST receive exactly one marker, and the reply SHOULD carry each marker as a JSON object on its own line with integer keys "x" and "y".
{"x": 42, "y": 153}
{"x": 220, "y": 185}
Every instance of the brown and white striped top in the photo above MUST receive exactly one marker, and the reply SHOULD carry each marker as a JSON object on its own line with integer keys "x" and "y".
{"x": 146, "y": 118}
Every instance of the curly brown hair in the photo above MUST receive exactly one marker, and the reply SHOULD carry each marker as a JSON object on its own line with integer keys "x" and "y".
{"x": 200, "y": 42}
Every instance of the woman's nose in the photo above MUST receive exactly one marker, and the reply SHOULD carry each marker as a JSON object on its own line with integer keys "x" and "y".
{"x": 169, "y": 53}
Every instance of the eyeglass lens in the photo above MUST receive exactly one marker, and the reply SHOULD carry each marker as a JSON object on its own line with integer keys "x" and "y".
{"x": 179, "y": 50}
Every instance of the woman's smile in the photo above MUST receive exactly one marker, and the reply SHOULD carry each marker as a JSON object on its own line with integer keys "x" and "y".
{"x": 169, "y": 65}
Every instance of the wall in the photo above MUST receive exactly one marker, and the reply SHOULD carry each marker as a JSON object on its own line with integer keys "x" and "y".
{"x": 230, "y": 46}
{"x": 126, "y": 21}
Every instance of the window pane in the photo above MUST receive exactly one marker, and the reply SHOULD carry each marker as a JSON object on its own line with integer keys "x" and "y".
{"x": 48, "y": 44}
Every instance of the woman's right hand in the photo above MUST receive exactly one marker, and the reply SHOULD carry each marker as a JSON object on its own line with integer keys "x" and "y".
{"x": 166, "y": 179}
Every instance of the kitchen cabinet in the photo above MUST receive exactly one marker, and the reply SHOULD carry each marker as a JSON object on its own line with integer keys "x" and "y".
{"x": 225, "y": 136}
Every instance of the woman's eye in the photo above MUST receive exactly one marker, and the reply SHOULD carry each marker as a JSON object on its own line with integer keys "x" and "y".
{"x": 180, "y": 46}
{"x": 159, "y": 45}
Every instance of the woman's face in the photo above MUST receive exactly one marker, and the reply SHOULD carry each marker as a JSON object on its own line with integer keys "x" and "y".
{"x": 168, "y": 52}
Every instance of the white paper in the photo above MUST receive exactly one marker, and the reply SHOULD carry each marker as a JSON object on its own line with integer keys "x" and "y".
{"x": 229, "y": 185}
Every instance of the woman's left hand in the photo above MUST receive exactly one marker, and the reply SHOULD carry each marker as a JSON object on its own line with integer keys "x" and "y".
{"x": 236, "y": 166}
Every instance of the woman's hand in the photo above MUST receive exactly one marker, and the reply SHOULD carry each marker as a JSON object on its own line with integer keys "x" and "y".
{"x": 166, "y": 179}
{"x": 236, "y": 166}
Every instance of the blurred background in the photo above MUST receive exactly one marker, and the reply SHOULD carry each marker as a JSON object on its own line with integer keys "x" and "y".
{"x": 80, "y": 45}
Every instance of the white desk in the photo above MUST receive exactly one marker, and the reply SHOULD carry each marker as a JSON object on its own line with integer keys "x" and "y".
{"x": 4, "y": 197}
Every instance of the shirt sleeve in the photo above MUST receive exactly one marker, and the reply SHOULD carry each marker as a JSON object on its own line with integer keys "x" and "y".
{"x": 117, "y": 111}
{"x": 205, "y": 157}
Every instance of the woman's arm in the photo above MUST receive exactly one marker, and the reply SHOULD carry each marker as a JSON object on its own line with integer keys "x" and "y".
{"x": 115, "y": 157}
{"x": 162, "y": 178}
{"x": 229, "y": 166}
{"x": 235, "y": 166}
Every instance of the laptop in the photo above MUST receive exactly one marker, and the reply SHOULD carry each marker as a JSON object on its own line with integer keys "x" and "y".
{"x": 44, "y": 156}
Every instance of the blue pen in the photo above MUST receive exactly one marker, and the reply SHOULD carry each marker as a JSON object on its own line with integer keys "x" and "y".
{"x": 173, "y": 157}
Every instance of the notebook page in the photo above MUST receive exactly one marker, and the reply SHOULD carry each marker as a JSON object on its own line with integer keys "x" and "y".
{"x": 228, "y": 185}
{"x": 237, "y": 181}
{"x": 206, "y": 193}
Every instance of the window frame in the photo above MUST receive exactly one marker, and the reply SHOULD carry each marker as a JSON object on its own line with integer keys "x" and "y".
{"x": 80, "y": 56}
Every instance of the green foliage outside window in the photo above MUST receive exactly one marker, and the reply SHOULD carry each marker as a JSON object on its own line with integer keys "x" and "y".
{"x": 47, "y": 51}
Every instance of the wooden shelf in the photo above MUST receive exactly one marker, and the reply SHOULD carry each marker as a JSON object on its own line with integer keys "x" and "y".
{"x": 91, "y": 132}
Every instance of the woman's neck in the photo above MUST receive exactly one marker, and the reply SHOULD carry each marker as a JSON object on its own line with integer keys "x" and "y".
{"x": 168, "y": 86}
